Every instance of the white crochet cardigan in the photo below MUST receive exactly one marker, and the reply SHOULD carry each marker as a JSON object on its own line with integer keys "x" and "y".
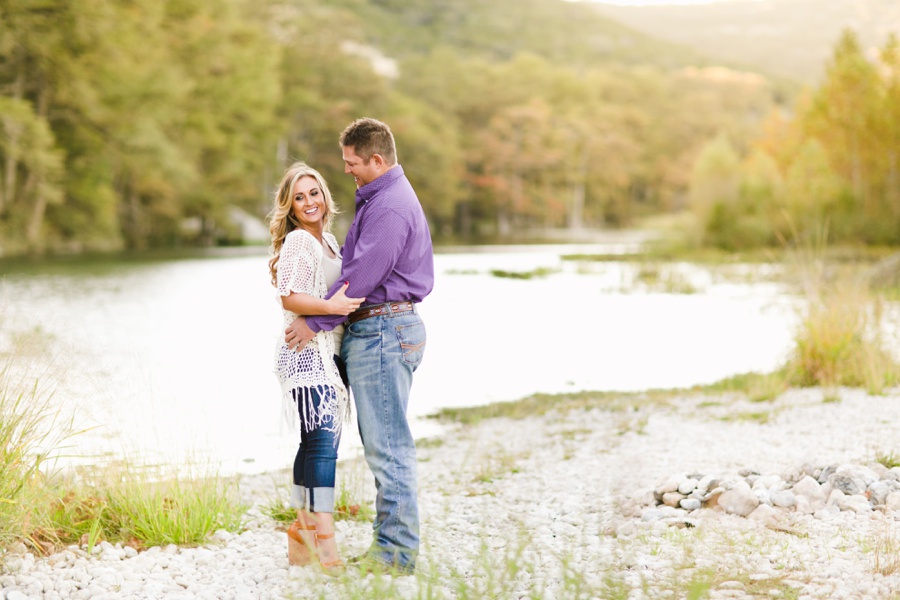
{"x": 299, "y": 269}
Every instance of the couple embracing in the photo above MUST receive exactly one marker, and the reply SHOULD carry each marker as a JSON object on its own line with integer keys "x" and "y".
{"x": 351, "y": 323}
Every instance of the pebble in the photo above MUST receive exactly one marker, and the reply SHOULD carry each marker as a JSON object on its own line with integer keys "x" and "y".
{"x": 755, "y": 503}
{"x": 856, "y": 488}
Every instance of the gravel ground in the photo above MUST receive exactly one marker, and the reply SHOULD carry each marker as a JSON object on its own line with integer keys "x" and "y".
{"x": 556, "y": 506}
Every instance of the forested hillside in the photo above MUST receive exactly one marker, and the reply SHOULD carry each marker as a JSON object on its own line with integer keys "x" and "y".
{"x": 561, "y": 32}
{"x": 792, "y": 38}
{"x": 139, "y": 124}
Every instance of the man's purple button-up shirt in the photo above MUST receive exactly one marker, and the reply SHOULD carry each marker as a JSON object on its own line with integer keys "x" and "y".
{"x": 387, "y": 256}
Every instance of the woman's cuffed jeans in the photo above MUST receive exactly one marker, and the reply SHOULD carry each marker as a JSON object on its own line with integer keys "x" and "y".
{"x": 315, "y": 464}
{"x": 381, "y": 354}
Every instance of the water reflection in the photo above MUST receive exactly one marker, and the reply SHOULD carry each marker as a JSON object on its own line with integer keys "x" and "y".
{"x": 173, "y": 358}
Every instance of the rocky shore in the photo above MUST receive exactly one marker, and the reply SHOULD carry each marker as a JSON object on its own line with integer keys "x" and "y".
{"x": 691, "y": 496}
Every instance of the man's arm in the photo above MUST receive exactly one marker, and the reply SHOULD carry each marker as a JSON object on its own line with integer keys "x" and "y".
{"x": 381, "y": 240}
{"x": 304, "y": 304}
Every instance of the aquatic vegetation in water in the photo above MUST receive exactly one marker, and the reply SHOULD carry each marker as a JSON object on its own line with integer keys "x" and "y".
{"x": 539, "y": 272}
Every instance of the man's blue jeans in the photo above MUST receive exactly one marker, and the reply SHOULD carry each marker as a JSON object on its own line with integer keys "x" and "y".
{"x": 381, "y": 354}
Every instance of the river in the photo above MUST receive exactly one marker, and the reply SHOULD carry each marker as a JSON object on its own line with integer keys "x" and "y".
{"x": 171, "y": 360}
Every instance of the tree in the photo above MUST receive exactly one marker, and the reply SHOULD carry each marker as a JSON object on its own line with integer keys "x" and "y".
{"x": 841, "y": 117}
{"x": 227, "y": 120}
{"x": 813, "y": 191}
{"x": 31, "y": 177}
{"x": 889, "y": 125}
{"x": 715, "y": 186}
{"x": 30, "y": 66}
{"x": 520, "y": 155}
{"x": 429, "y": 150}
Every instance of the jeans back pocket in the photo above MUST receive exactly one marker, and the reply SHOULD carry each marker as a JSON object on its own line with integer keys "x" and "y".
{"x": 412, "y": 342}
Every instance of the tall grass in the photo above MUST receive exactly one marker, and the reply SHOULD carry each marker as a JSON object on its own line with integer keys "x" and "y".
{"x": 140, "y": 508}
{"x": 840, "y": 342}
{"x": 886, "y": 551}
{"x": 840, "y": 337}
{"x": 30, "y": 431}
{"x": 46, "y": 510}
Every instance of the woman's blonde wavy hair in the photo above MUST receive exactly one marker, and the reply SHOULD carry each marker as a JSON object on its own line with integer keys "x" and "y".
{"x": 282, "y": 220}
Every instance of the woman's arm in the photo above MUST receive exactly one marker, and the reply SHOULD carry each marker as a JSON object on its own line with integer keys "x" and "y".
{"x": 305, "y": 305}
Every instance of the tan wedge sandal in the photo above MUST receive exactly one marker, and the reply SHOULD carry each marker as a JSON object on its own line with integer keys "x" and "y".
{"x": 333, "y": 567}
{"x": 300, "y": 552}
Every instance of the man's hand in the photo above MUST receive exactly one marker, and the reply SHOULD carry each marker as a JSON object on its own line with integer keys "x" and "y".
{"x": 298, "y": 334}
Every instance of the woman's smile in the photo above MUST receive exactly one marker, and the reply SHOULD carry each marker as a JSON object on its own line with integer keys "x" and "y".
{"x": 309, "y": 203}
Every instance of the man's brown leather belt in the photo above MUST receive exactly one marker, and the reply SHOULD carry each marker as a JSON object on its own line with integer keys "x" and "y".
{"x": 387, "y": 308}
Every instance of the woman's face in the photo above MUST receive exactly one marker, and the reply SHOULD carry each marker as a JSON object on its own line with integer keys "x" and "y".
{"x": 308, "y": 204}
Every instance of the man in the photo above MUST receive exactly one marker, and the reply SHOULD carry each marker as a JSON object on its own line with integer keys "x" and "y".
{"x": 387, "y": 258}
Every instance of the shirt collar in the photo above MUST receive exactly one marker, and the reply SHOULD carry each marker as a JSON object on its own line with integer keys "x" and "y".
{"x": 365, "y": 193}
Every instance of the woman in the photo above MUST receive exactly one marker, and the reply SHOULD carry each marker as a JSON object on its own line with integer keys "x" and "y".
{"x": 305, "y": 264}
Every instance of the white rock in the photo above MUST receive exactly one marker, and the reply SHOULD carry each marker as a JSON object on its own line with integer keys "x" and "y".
{"x": 835, "y": 498}
{"x": 879, "y": 491}
{"x": 857, "y": 503}
{"x": 892, "y": 502}
{"x": 881, "y": 471}
{"x": 687, "y": 485}
{"x": 739, "y": 500}
{"x": 690, "y": 503}
{"x": 770, "y": 482}
{"x": 703, "y": 484}
{"x": 13, "y": 563}
{"x": 784, "y": 498}
{"x": 827, "y": 513}
{"x": 764, "y": 514}
{"x": 672, "y": 498}
{"x": 763, "y": 495}
{"x": 810, "y": 488}
{"x": 222, "y": 536}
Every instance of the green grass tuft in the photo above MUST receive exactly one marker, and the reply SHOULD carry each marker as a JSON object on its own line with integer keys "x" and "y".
{"x": 121, "y": 503}
{"x": 890, "y": 459}
{"x": 129, "y": 505}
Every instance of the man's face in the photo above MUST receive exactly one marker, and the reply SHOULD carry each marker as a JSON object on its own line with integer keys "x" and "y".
{"x": 363, "y": 172}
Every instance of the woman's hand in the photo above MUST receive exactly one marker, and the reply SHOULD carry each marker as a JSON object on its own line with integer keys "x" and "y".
{"x": 340, "y": 304}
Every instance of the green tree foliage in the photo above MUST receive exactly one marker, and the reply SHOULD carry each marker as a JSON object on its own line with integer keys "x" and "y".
{"x": 715, "y": 189}
{"x": 141, "y": 123}
{"x": 562, "y": 32}
{"x": 30, "y": 179}
{"x": 837, "y": 159}
{"x": 843, "y": 116}
{"x": 230, "y": 62}
{"x": 889, "y": 126}
{"x": 813, "y": 190}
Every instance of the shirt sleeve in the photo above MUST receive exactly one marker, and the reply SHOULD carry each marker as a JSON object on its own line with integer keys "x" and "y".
{"x": 297, "y": 265}
{"x": 381, "y": 240}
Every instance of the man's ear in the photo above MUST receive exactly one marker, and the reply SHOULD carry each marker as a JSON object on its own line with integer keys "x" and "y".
{"x": 379, "y": 160}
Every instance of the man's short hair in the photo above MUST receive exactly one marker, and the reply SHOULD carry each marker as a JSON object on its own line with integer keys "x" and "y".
{"x": 369, "y": 137}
